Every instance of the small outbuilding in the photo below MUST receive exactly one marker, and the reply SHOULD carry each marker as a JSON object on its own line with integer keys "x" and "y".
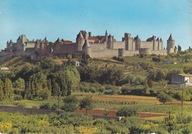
{"x": 178, "y": 79}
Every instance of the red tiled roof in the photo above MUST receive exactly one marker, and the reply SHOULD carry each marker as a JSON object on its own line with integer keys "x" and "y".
{"x": 93, "y": 38}
{"x": 67, "y": 41}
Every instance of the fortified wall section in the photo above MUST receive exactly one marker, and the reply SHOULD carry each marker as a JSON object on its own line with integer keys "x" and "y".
{"x": 98, "y": 46}
{"x": 118, "y": 44}
{"x": 104, "y": 53}
{"x": 112, "y": 53}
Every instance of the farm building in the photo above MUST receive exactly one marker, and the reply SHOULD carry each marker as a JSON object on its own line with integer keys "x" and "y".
{"x": 179, "y": 79}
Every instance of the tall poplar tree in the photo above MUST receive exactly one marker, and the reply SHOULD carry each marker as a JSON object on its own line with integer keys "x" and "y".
{"x": 8, "y": 88}
{"x": 1, "y": 90}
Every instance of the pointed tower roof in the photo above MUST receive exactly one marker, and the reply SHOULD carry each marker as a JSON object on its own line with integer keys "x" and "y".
{"x": 137, "y": 38}
{"x": 170, "y": 37}
{"x": 106, "y": 33}
{"x": 58, "y": 40}
{"x": 19, "y": 38}
{"x": 80, "y": 35}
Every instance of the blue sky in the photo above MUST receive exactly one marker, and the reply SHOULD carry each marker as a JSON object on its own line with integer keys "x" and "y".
{"x": 65, "y": 18}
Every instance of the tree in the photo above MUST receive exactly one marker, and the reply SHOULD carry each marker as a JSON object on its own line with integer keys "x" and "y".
{"x": 38, "y": 82}
{"x": 19, "y": 84}
{"x": 1, "y": 90}
{"x": 67, "y": 78}
{"x": 86, "y": 103}
{"x": 70, "y": 103}
{"x": 47, "y": 63}
{"x": 163, "y": 97}
{"x": 8, "y": 88}
{"x": 19, "y": 87}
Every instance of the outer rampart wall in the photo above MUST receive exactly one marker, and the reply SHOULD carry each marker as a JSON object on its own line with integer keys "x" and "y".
{"x": 160, "y": 52}
{"x": 131, "y": 53}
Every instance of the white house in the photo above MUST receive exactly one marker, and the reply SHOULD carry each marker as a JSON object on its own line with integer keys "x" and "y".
{"x": 184, "y": 79}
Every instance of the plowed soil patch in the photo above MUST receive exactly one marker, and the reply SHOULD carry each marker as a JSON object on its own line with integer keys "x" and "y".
{"x": 112, "y": 113}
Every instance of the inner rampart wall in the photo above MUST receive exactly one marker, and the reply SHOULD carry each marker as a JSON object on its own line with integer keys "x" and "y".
{"x": 98, "y": 46}
{"x": 146, "y": 44}
{"x": 118, "y": 44}
{"x": 104, "y": 53}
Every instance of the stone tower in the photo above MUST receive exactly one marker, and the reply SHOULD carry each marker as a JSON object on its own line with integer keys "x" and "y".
{"x": 106, "y": 36}
{"x": 171, "y": 45}
{"x": 86, "y": 47}
{"x": 9, "y": 46}
{"x": 80, "y": 41}
{"x": 137, "y": 42}
{"x": 128, "y": 41}
{"x": 20, "y": 43}
{"x": 110, "y": 42}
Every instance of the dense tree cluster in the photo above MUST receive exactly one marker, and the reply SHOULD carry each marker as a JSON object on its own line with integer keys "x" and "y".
{"x": 40, "y": 81}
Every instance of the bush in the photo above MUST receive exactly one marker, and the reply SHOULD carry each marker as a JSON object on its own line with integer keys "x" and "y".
{"x": 17, "y": 98}
{"x": 163, "y": 97}
{"x": 127, "y": 112}
{"x": 45, "y": 106}
{"x": 70, "y": 103}
{"x": 20, "y": 104}
{"x": 54, "y": 107}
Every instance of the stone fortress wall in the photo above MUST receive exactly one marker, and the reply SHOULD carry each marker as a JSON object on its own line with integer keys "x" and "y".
{"x": 94, "y": 46}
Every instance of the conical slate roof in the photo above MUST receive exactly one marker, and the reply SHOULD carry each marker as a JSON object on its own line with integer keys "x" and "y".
{"x": 170, "y": 37}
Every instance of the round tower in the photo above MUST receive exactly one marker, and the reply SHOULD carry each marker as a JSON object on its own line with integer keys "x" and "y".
{"x": 86, "y": 48}
{"x": 127, "y": 38}
{"x": 80, "y": 41}
{"x": 109, "y": 42}
{"x": 170, "y": 45}
{"x": 137, "y": 42}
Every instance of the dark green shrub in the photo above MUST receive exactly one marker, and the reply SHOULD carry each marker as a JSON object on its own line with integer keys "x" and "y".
{"x": 45, "y": 106}
{"x": 127, "y": 112}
